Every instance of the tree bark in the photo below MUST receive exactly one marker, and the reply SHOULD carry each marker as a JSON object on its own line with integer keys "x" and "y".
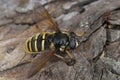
{"x": 97, "y": 22}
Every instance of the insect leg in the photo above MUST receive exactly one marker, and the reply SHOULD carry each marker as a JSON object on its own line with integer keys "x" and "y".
{"x": 70, "y": 55}
{"x": 60, "y": 57}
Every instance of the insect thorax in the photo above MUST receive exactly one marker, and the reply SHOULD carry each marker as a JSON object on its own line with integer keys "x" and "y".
{"x": 60, "y": 41}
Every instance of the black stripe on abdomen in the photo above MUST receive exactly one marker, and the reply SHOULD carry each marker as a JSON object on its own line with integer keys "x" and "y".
{"x": 48, "y": 41}
{"x": 39, "y": 43}
{"x": 33, "y": 44}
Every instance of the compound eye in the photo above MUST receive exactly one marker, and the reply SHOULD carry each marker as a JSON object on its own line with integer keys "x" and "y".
{"x": 72, "y": 44}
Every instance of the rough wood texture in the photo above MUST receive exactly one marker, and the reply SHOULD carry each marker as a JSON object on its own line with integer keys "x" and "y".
{"x": 98, "y": 22}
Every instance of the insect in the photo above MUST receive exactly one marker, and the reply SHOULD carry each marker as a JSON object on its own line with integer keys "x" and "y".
{"x": 49, "y": 44}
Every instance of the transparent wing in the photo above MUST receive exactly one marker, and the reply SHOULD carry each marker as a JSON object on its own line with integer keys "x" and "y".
{"x": 42, "y": 12}
{"x": 39, "y": 62}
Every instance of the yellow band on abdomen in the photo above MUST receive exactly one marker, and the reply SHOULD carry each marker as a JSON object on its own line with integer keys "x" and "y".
{"x": 43, "y": 42}
{"x": 30, "y": 44}
{"x": 36, "y": 37}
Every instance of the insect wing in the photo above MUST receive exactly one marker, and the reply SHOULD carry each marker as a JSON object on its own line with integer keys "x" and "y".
{"x": 47, "y": 17}
{"x": 39, "y": 62}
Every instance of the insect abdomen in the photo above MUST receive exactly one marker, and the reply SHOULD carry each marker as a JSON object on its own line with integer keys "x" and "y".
{"x": 38, "y": 42}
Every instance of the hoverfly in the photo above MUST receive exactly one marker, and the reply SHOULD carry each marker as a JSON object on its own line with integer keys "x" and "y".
{"x": 49, "y": 44}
